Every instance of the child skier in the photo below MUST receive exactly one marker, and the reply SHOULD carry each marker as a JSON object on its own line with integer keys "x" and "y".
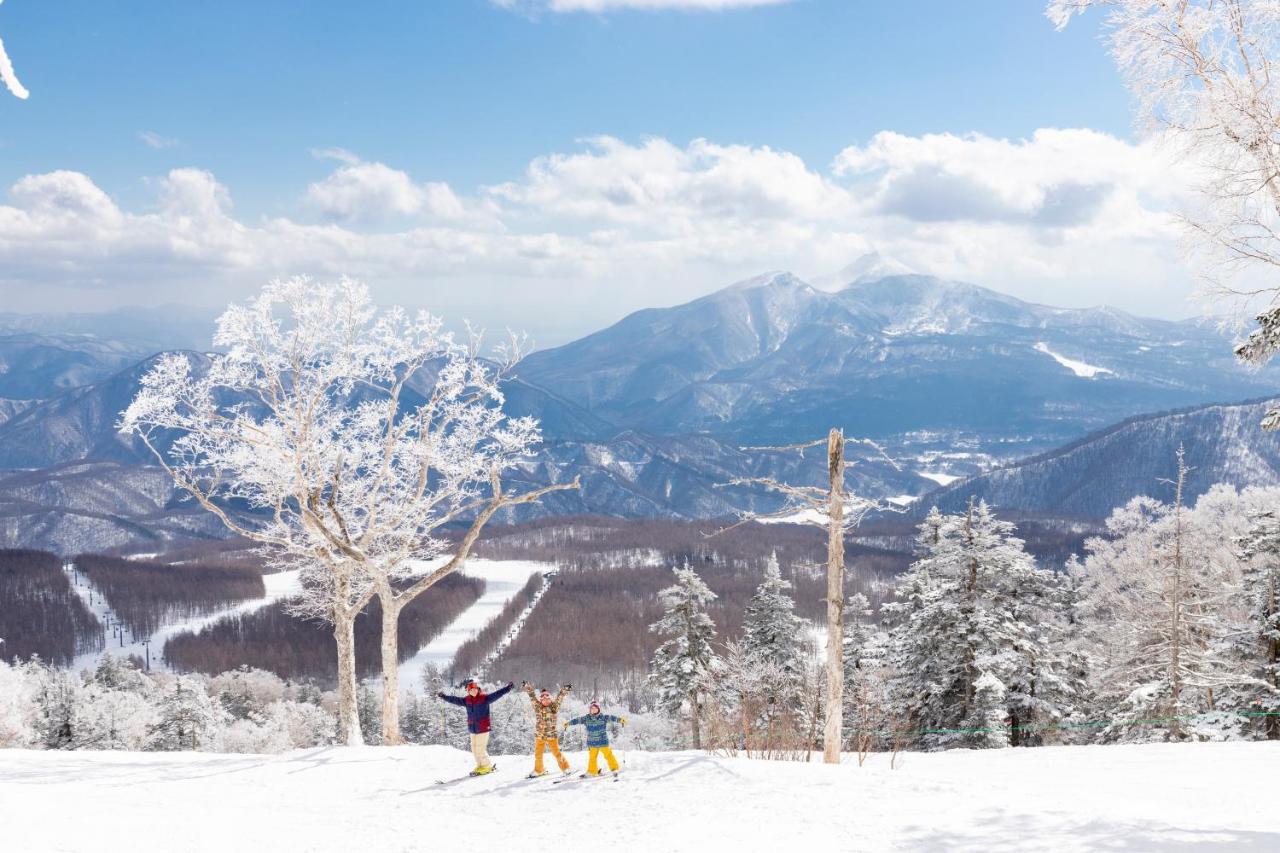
{"x": 597, "y": 726}
{"x": 477, "y": 703}
{"x": 546, "y": 736}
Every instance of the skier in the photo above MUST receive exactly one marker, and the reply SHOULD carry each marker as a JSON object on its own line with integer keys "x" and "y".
{"x": 597, "y": 726}
{"x": 546, "y": 736}
{"x": 477, "y": 703}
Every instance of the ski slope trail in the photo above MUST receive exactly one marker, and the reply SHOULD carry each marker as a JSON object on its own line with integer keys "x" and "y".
{"x": 502, "y": 580}
{"x": 120, "y": 642}
{"x": 1158, "y": 797}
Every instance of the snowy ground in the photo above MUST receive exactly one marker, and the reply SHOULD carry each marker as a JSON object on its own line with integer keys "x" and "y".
{"x": 1126, "y": 798}
{"x": 502, "y": 580}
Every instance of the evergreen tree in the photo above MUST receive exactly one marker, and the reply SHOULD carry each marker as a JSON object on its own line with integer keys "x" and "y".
{"x": 866, "y": 677}
{"x": 684, "y": 658}
{"x": 186, "y": 718}
{"x": 60, "y": 698}
{"x": 771, "y": 635}
{"x": 975, "y": 604}
{"x": 369, "y": 712}
{"x": 987, "y": 726}
{"x": 1261, "y": 582}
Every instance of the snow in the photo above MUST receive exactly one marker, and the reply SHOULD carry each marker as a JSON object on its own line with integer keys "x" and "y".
{"x": 902, "y": 500}
{"x": 10, "y": 77}
{"x": 502, "y": 580}
{"x": 804, "y": 516}
{"x": 1079, "y": 368}
{"x": 939, "y": 477}
{"x": 1183, "y": 797}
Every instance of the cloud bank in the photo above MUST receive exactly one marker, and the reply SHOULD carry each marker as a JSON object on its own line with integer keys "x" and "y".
{"x": 1069, "y": 217}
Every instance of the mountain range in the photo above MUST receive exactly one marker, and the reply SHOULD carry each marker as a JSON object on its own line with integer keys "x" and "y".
{"x": 952, "y": 379}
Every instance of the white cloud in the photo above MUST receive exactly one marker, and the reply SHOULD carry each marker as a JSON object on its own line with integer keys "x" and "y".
{"x": 600, "y": 6}
{"x": 362, "y": 192}
{"x": 1067, "y": 217}
{"x": 154, "y": 140}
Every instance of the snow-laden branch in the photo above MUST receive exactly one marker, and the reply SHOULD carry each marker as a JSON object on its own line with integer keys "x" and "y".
{"x": 10, "y": 77}
{"x": 1204, "y": 76}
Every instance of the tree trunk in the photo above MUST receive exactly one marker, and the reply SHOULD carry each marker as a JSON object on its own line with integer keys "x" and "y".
{"x": 390, "y": 669}
{"x": 348, "y": 716}
{"x": 835, "y": 600}
{"x": 697, "y": 727}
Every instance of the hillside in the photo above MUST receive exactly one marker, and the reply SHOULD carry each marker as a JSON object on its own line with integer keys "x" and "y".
{"x": 1092, "y": 476}
{"x": 1157, "y": 797}
{"x": 774, "y": 359}
{"x": 653, "y": 412}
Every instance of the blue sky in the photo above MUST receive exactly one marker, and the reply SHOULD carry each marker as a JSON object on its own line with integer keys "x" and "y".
{"x": 466, "y": 95}
{"x": 463, "y": 91}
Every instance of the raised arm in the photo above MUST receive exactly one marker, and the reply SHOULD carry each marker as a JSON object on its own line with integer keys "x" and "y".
{"x": 452, "y": 700}
{"x": 501, "y": 691}
{"x": 564, "y": 691}
{"x": 528, "y": 688}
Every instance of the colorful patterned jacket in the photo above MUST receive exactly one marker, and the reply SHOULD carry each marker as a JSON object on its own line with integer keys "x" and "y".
{"x": 545, "y": 715}
{"x": 597, "y": 726}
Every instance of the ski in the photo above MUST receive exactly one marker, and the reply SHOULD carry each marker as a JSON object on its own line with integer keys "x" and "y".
{"x": 465, "y": 778}
{"x": 583, "y": 777}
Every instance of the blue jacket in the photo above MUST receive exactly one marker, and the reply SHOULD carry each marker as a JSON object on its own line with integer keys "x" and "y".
{"x": 477, "y": 707}
{"x": 597, "y": 726}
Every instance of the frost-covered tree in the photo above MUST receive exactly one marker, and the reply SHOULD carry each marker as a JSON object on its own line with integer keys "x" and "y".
{"x": 60, "y": 699}
{"x": 1162, "y": 598}
{"x": 19, "y": 725}
{"x": 187, "y": 718}
{"x": 771, "y": 635}
{"x": 974, "y": 605}
{"x": 10, "y": 77}
{"x": 115, "y": 718}
{"x": 1261, "y": 586}
{"x": 685, "y": 656}
{"x": 1203, "y": 75}
{"x": 355, "y": 436}
{"x": 987, "y": 724}
{"x": 867, "y": 702}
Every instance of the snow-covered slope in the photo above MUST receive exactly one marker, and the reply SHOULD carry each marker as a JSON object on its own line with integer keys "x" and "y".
{"x": 1092, "y": 476}
{"x": 502, "y": 580}
{"x": 120, "y": 642}
{"x": 1158, "y": 797}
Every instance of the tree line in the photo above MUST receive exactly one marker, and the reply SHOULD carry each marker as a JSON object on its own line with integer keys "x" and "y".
{"x": 40, "y": 614}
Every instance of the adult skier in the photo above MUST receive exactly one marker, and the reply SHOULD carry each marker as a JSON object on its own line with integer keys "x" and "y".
{"x": 597, "y": 726}
{"x": 477, "y": 703}
{"x": 546, "y": 736}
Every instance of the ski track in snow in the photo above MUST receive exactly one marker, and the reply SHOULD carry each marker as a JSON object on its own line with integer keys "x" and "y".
{"x": 502, "y": 580}
{"x": 1079, "y": 368}
{"x": 123, "y": 643}
{"x": 1152, "y": 797}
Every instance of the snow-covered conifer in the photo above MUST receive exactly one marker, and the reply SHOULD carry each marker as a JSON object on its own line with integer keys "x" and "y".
{"x": 1261, "y": 586}
{"x": 987, "y": 725}
{"x": 685, "y": 655}
{"x": 186, "y": 718}
{"x": 771, "y": 635}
